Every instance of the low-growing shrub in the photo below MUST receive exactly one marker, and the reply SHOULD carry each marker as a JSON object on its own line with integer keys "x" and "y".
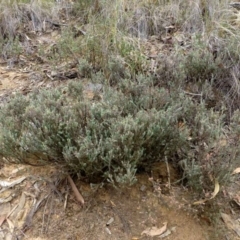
{"x": 131, "y": 127}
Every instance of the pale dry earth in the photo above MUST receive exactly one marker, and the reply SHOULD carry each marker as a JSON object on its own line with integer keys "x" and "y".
{"x": 128, "y": 211}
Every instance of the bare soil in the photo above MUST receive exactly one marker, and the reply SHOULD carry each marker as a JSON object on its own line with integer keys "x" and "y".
{"x": 108, "y": 213}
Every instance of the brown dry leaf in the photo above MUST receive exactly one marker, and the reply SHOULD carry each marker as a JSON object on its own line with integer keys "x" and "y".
{"x": 216, "y": 189}
{"x": 6, "y": 184}
{"x": 154, "y": 231}
{"x": 230, "y": 223}
{"x": 236, "y": 171}
{"x": 2, "y": 219}
{"x": 20, "y": 206}
{"x": 5, "y": 208}
{"x": 215, "y": 192}
{"x": 10, "y": 225}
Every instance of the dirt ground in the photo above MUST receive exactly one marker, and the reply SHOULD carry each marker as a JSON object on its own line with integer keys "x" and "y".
{"x": 50, "y": 209}
{"x": 38, "y": 203}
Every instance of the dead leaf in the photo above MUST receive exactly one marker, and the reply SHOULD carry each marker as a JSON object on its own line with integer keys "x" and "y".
{"x": 9, "y": 198}
{"x": 236, "y": 171}
{"x": 231, "y": 223}
{"x": 5, "y": 184}
{"x": 2, "y": 219}
{"x": 113, "y": 204}
{"x": 165, "y": 234}
{"x": 214, "y": 193}
{"x": 154, "y": 231}
{"x": 20, "y": 206}
{"x": 10, "y": 225}
{"x": 5, "y": 208}
{"x": 216, "y": 189}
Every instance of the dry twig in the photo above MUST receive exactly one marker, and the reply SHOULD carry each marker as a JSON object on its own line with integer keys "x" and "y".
{"x": 78, "y": 195}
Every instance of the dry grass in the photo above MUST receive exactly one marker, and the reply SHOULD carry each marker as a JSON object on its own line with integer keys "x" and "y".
{"x": 24, "y": 15}
{"x": 115, "y": 30}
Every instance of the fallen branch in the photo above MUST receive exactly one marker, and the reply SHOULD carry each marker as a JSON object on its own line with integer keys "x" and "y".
{"x": 78, "y": 195}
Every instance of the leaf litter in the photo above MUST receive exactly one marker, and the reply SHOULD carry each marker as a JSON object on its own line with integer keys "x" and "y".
{"x": 154, "y": 231}
{"x": 231, "y": 223}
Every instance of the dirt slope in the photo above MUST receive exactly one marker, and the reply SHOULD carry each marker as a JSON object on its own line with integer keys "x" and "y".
{"x": 108, "y": 213}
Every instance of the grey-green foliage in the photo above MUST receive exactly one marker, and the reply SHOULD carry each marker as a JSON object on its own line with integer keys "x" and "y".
{"x": 132, "y": 126}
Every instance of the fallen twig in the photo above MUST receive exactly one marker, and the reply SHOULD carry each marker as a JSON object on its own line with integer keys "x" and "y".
{"x": 78, "y": 195}
{"x": 168, "y": 172}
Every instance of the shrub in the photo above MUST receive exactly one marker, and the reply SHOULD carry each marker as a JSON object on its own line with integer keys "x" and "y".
{"x": 130, "y": 128}
{"x": 140, "y": 119}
